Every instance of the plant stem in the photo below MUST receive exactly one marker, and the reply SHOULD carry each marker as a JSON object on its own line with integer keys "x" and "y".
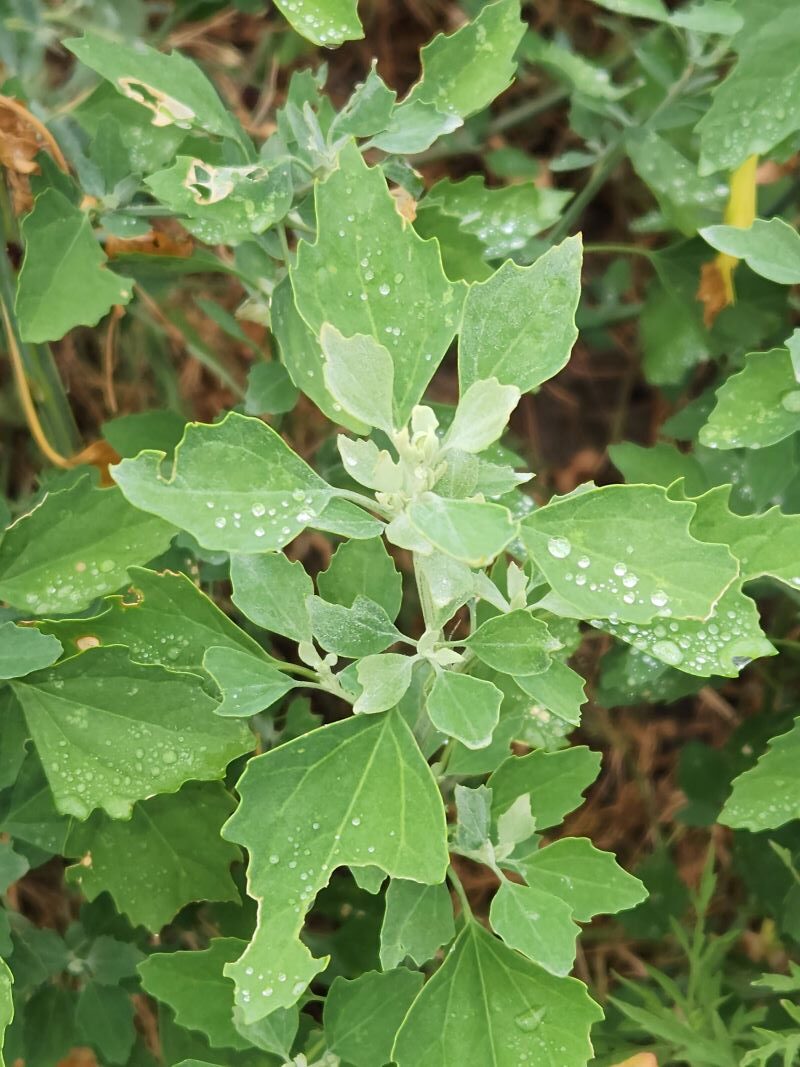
{"x": 600, "y": 174}
{"x": 619, "y": 249}
{"x": 461, "y": 893}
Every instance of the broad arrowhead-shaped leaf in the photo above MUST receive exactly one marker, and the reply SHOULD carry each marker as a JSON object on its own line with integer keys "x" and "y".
{"x": 23, "y": 650}
{"x": 555, "y": 782}
{"x": 249, "y": 684}
{"x": 769, "y": 247}
{"x": 272, "y": 591}
{"x": 235, "y": 486}
{"x": 325, "y": 22}
{"x": 687, "y": 200}
{"x": 370, "y": 273}
{"x": 359, "y": 375}
{"x": 101, "y": 748}
{"x": 757, "y": 406}
{"x": 64, "y": 281}
{"x": 362, "y": 1017}
{"x": 384, "y": 680}
{"x": 767, "y": 795}
{"x": 591, "y": 882}
{"x": 167, "y": 855}
{"x": 625, "y": 552}
{"x": 171, "y": 86}
{"x": 362, "y": 568}
{"x": 417, "y": 921}
{"x": 381, "y": 809}
{"x": 764, "y": 84}
{"x": 538, "y": 924}
{"x": 76, "y": 545}
{"x": 163, "y": 618}
{"x": 519, "y": 325}
{"x": 516, "y": 1010}
{"x": 464, "y": 707}
{"x": 193, "y": 985}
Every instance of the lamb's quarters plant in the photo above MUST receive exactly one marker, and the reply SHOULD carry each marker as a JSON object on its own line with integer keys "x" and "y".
{"x": 269, "y": 777}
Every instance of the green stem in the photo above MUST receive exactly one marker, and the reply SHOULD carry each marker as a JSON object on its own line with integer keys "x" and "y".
{"x": 619, "y": 249}
{"x": 365, "y": 502}
{"x": 599, "y": 176}
{"x": 461, "y": 893}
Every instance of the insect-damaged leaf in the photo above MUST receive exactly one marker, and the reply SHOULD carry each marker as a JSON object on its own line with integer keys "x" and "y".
{"x": 110, "y": 732}
{"x": 370, "y": 273}
{"x": 382, "y": 809}
{"x": 171, "y": 87}
{"x": 235, "y": 485}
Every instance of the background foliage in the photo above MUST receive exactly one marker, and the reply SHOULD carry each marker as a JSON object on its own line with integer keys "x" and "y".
{"x": 329, "y": 733}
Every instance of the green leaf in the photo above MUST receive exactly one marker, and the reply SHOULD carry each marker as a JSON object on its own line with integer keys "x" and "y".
{"x": 474, "y": 825}
{"x": 625, "y": 552}
{"x": 171, "y": 86}
{"x": 194, "y": 986}
{"x": 369, "y": 108}
{"x": 343, "y": 519}
{"x": 767, "y": 795}
{"x": 384, "y": 680}
{"x": 12, "y": 866}
{"x": 104, "y": 1017}
{"x": 554, "y": 780}
{"x": 359, "y": 374}
{"x": 413, "y": 127}
{"x": 764, "y": 83}
{"x": 370, "y": 273}
{"x": 516, "y": 1009}
{"x": 591, "y": 882}
{"x": 63, "y": 282}
{"x": 74, "y": 546}
{"x": 235, "y": 486}
{"x": 515, "y": 643}
{"x": 272, "y": 592}
{"x": 163, "y": 618}
{"x": 687, "y": 200}
{"x": 463, "y": 73}
{"x": 224, "y": 204}
{"x": 362, "y": 1017}
{"x": 325, "y": 22}
{"x": 519, "y": 325}
{"x": 770, "y": 248}
{"x": 269, "y": 389}
{"x": 469, "y": 531}
{"x": 559, "y": 689}
{"x": 756, "y": 407}
{"x": 15, "y": 734}
{"x": 764, "y": 544}
{"x": 362, "y": 568}
{"x": 536, "y": 923}
{"x": 504, "y": 220}
{"x": 417, "y": 921}
{"x": 361, "y": 630}
{"x": 6, "y": 1004}
{"x": 481, "y": 416}
{"x": 249, "y": 684}
{"x": 464, "y": 707}
{"x": 30, "y": 813}
{"x": 390, "y": 816}
{"x": 167, "y": 855}
{"x": 722, "y": 644}
{"x": 101, "y": 748}
{"x": 302, "y": 356}
{"x": 23, "y": 650}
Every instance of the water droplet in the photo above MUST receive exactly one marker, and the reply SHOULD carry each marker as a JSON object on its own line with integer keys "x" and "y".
{"x": 668, "y": 651}
{"x": 531, "y": 1020}
{"x": 791, "y": 402}
{"x": 559, "y": 547}
{"x": 659, "y": 598}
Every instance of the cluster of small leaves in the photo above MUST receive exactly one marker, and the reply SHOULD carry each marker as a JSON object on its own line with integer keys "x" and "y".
{"x": 238, "y": 860}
